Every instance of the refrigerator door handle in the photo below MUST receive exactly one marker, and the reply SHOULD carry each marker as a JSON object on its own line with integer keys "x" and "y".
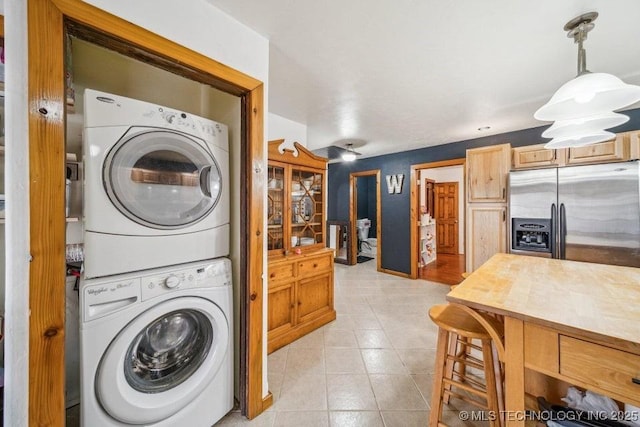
{"x": 554, "y": 226}
{"x": 563, "y": 232}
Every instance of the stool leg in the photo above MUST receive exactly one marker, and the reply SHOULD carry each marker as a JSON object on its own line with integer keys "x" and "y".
{"x": 497, "y": 368}
{"x": 438, "y": 389}
{"x": 490, "y": 379}
{"x": 450, "y": 365}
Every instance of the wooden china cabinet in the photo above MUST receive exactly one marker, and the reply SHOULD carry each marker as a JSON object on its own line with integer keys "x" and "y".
{"x": 300, "y": 267}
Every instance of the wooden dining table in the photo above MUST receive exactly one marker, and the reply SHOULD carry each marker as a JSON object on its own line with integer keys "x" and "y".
{"x": 573, "y": 321}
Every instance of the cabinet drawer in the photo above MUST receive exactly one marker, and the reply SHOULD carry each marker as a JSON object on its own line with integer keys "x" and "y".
{"x": 280, "y": 271}
{"x": 314, "y": 265}
{"x": 610, "y": 370}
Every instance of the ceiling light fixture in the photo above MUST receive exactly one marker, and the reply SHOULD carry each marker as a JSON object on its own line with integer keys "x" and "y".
{"x": 349, "y": 155}
{"x": 583, "y": 107}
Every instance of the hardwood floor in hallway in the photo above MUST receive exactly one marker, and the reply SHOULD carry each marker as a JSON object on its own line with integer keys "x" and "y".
{"x": 446, "y": 269}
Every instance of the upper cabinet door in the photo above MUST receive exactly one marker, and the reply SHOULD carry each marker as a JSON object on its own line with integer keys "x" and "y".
{"x": 614, "y": 150}
{"x": 536, "y": 156}
{"x": 297, "y": 185}
{"x": 487, "y": 170}
{"x": 276, "y": 208}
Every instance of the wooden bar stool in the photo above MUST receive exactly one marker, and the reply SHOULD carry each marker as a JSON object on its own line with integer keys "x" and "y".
{"x": 461, "y": 325}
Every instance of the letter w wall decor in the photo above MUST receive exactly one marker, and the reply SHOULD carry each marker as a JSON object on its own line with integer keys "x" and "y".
{"x": 394, "y": 183}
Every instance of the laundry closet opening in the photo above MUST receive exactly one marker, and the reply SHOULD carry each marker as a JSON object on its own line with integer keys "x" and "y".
{"x": 89, "y": 66}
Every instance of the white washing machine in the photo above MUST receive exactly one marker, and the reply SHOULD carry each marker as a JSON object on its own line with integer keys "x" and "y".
{"x": 156, "y": 348}
{"x": 156, "y": 186}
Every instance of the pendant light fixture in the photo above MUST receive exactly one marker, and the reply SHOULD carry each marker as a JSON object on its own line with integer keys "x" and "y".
{"x": 349, "y": 155}
{"x": 583, "y": 107}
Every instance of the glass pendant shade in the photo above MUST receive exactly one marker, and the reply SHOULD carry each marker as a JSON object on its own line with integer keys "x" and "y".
{"x": 348, "y": 156}
{"x": 584, "y": 126}
{"x": 587, "y": 95}
{"x": 579, "y": 141}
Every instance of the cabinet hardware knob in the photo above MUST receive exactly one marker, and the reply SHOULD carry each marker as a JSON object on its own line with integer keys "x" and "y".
{"x": 293, "y": 305}
{"x": 299, "y": 303}
{"x": 635, "y": 380}
{"x": 253, "y": 296}
{"x": 272, "y": 275}
{"x": 43, "y": 111}
{"x": 315, "y": 265}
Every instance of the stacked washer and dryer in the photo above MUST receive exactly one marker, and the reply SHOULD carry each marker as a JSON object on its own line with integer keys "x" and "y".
{"x": 156, "y": 345}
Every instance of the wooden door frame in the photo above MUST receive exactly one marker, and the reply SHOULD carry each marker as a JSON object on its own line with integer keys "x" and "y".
{"x": 457, "y": 237}
{"x": 415, "y": 204}
{"x": 47, "y": 22}
{"x": 353, "y": 215}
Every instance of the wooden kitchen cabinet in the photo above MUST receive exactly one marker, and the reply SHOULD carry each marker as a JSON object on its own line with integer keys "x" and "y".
{"x": 300, "y": 267}
{"x": 634, "y": 142}
{"x": 615, "y": 150}
{"x": 487, "y": 170}
{"x": 536, "y": 156}
{"x": 486, "y": 233}
{"x": 300, "y": 296}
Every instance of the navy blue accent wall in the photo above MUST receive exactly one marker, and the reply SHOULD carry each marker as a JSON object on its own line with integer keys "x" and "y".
{"x": 395, "y": 227}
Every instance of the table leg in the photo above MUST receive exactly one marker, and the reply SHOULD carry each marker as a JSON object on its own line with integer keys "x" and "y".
{"x": 514, "y": 372}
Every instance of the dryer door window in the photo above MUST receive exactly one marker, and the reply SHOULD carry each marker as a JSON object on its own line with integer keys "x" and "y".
{"x": 162, "y": 179}
{"x": 162, "y": 360}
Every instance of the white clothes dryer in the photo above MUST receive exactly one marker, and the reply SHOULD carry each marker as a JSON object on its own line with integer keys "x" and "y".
{"x": 157, "y": 348}
{"x": 156, "y": 186}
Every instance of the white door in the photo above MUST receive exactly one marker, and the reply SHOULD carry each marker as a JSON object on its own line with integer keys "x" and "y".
{"x": 162, "y": 360}
{"x": 162, "y": 179}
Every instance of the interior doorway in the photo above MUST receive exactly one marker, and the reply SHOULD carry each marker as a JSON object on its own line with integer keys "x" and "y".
{"x": 437, "y": 202}
{"x": 365, "y": 217}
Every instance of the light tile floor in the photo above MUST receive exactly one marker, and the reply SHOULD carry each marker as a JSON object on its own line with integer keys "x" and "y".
{"x": 372, "y": 366}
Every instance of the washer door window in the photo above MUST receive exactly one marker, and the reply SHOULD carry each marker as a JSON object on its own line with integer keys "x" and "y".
{"x": 168, "y": 351}
{"x": 162, "y": 179}
{"x": 162, "y": 360}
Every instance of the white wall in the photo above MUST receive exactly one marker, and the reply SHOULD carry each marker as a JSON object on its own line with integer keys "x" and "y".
{"x": 195, "y": 24}
{"x": 448, "y": 174}
{"x": 16, "y": 380}
{"x": 290, "y": 131}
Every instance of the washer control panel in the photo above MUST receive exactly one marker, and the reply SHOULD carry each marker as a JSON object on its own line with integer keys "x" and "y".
{"x": 217, "y": 273}
{"x": 104, "y": 296}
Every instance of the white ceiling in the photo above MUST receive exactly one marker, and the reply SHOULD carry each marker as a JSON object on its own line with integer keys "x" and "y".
{"x": 405, "y": 74}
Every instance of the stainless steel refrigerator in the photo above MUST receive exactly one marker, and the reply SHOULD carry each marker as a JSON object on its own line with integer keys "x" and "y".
{"x": 585, "y": 213}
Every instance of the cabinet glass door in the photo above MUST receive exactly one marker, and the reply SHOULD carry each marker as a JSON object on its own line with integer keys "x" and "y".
{"x": 275, "y": 208}
{"x": 306, "y": 208}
